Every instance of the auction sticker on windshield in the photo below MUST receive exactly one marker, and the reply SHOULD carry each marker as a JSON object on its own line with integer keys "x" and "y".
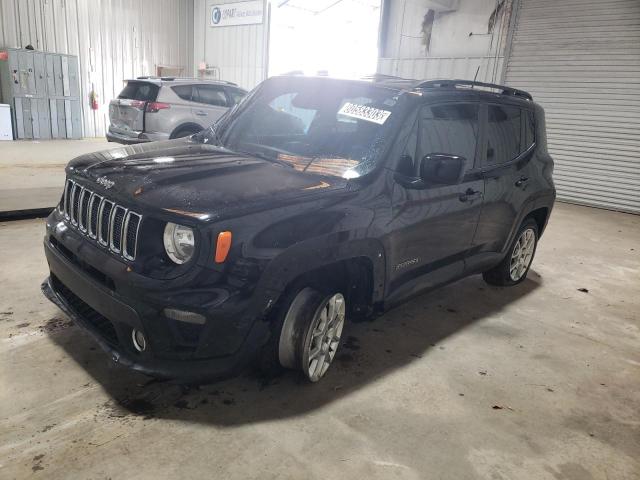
{"x": 362, "y": 112}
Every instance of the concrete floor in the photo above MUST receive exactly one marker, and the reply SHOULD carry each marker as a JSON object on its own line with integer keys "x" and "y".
{"x": 539, "y": 381}
{"x": 32, "y": 172}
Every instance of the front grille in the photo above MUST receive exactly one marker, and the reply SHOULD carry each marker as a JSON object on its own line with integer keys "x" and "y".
{"x": 97, "y": 320}
{"x": 75, "y": 203}
{"x": 94, "y": 208}
{"x": 105, "y": 220}
{"x": 85, "y": 195}
{"x": 112, "y": 225}
{"x": 115, "y": 236}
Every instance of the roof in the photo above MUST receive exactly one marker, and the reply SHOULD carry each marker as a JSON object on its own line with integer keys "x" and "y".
{"x": 162, "y": 80}
{"x": 449, "y": 85}
{"x": 455, "y": 84}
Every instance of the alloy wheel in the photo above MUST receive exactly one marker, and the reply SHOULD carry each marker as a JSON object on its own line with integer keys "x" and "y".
{"x": 324, "y": 338}
{"x": 522, "y": 254}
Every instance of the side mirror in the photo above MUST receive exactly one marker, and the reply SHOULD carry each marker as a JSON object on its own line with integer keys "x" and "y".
{"x": 442, "y": 169}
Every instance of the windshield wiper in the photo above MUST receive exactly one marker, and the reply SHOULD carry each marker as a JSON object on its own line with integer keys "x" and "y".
{"x": 264, "y": 156}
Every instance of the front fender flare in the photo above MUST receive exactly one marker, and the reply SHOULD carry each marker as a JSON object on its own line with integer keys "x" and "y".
{"x": 320, "y": 252}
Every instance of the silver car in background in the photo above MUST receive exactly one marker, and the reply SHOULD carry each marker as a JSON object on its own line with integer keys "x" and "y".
{"x": 162, "y": 108}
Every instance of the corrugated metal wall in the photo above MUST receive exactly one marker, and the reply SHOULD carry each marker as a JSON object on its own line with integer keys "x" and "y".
{"x": 113, "y": 39}
{"x": 460, "y": 45}
{"x": 482, "y": 68}
{"x": 235, "y": 53}
{"x": 580, "y": 59}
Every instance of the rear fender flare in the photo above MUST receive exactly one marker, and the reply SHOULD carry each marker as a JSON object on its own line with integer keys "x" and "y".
{"x": 531, "y": 204}
{"x": 186, "y": 126}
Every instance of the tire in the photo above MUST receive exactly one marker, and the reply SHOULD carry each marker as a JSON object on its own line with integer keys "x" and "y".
{"x": 511, "y": 271}
{"x": 303, "y": 336}
{"x": 184, "y": 132}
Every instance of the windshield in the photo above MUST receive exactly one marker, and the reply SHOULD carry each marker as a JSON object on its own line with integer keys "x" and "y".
{"x": 317, "y": 125}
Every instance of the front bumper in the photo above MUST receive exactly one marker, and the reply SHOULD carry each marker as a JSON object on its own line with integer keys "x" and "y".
{"x": 110, "y": 319}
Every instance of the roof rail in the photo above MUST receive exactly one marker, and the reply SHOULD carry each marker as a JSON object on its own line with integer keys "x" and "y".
{"x": 470, "y": 83}
{"x": 381, "y": 77}
{"x": 171, "y": 79}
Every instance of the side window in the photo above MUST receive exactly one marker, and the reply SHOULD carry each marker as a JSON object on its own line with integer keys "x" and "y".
{"x": 449, "y": 128}
{"x": 529, "y": 129}
{"x": 183, "y": 91}
{"x": 503, "y": 134}
{"x": 236, "y": 95}
{"x": 210, "y": 94}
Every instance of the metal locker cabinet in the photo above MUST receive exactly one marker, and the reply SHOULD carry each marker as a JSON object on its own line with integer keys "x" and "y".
{"x": 35, "y": 118}
{"x": 17, "y": 109}
{"x": 27, "y": 76}
{"x": 44, "y": 118}
{"x": 51, "y": 86}
{"x": 62, "y": 124}
{"x": 44, "y": 91}
{"x": 76, "y": 119}
{"x": 65, "y": 76}
{"x": 40, "y": 74}
{"x": 14, "y": 74}
{"x": 53, "y": 115}
{"x": 74, "y": 83}
{"x": 57, "y": 76}
{"x": 67, "y": 118}
{"x": 27, "y": 118}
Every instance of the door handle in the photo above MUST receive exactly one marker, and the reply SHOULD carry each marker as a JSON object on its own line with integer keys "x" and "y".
{"x": 469, "y": 194}
{"x": 201, "y": 113}
{"x": 521, "y": 181}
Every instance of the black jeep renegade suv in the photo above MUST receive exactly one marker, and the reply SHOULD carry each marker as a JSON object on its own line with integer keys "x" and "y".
{"x": 313, "y": 201}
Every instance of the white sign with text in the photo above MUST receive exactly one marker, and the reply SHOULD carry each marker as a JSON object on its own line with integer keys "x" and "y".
{"x": 240, "y": 13}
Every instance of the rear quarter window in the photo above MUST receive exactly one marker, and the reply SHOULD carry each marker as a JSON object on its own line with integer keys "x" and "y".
{"x": 529, "y": 129}
{"x": 503, "y": 134}
{"x": 147, "y": 92}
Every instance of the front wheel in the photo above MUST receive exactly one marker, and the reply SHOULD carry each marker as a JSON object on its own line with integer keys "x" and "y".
{"x": 310, "y": 332}
{"x": 514, "y": 267}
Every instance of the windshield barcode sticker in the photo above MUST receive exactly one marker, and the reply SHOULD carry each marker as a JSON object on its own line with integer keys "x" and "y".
{"x": 363, "y": 112}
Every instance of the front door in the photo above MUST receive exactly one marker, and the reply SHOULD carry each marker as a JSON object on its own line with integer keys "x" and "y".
{"x": 432, "y": 226}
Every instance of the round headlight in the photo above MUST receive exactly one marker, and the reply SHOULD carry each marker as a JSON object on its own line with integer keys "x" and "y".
{"x": 179, "y": 242}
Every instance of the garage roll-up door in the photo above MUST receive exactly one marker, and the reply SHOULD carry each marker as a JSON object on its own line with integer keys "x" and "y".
{"x": 580, "y": 59}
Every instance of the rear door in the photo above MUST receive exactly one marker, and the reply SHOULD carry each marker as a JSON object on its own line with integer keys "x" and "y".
{"x": 212, "y": 103}
{"x": 507, "y": 152}
{"x": 126, "y": 113}
{"x": 181, "y": 110}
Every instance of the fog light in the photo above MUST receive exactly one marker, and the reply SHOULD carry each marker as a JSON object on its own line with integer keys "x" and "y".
{"x": 184, "y": 316}
{"x": 139, "y": 342}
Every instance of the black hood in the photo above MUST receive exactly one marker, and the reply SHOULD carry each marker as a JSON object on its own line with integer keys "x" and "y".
{"x": 198, "y": 180}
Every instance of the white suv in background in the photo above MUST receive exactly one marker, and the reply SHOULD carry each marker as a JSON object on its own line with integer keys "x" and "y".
{"x": 161, "y": 108}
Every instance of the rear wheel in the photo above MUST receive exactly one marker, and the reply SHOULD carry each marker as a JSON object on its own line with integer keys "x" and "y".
{"x": 514, "y": 267}
{"x": 307, "y": 332}
{"x": 184, "y": 132}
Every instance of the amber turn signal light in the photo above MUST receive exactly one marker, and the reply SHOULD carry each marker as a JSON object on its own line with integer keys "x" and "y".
{"x": 223, "y": 246}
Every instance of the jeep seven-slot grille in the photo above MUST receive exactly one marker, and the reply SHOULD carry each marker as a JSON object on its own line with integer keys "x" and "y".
{"x": 101, "y": 219}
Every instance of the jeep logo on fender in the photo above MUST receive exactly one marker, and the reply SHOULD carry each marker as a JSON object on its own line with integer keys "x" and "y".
{"x": 105, "y": 182}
